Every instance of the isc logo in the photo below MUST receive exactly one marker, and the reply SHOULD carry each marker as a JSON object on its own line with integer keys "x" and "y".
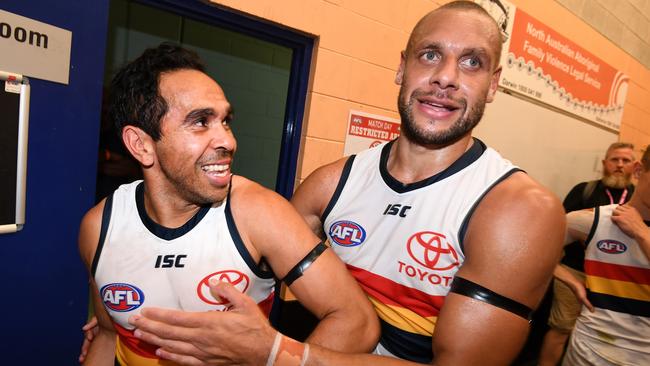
{"x": 396, "y": 210}
{"x": 611, "y": 246}
{"x": 170, "y": 260}
{"x": 121, "y": 297}
{"x": 347, "y": 233}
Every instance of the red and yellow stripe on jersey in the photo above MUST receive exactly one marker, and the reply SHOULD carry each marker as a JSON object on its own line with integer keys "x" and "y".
{"x": 131, "y": 351}
{"x": 621, "y": 288}
{"x": 403, "y": 307}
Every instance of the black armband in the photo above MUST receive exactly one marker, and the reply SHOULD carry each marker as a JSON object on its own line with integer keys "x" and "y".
{"x": 302, "y": 266}
{"x": 475, "y": 291}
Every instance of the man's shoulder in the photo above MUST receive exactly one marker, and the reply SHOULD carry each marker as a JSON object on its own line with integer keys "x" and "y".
{"x": 521, "y": 185}
{"x": 89, "y": 232}
{"x": 520, "y": 196}
{"x": 249, "y": 190}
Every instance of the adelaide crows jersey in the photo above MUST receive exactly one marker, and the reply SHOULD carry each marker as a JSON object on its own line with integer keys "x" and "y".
{"x": 139, "y": 263}
{"x": 618, "y": 286}
{"x": 403, "y": 242}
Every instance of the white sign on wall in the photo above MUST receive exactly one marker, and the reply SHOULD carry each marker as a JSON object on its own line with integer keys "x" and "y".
{"x": 34, "y": 49}
{"x": 367, "y": 130}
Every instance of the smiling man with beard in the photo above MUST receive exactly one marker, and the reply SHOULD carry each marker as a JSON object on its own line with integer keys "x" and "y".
{"x": 162, "y": 241}
{"x": 447, "y": 220}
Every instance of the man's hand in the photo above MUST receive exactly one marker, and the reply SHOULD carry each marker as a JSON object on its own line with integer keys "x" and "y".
{"x": 90, "y": 330}
{"x": 209, "y": 338}
{"x": 577, "y": 287}
{"x": 628, "y": 219}
{"x": 580, "y": 292}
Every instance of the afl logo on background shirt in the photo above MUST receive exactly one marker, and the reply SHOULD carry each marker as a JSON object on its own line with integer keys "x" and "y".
{"x": 347, "y": 233}
{"x": 239, "y": 280}
{"x": 432, "y": 250}
{"x": 611, "y": 246}
{"x": 121, "y": 297}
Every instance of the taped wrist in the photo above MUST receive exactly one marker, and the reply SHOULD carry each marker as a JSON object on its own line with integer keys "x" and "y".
{"x": 287, "y": 352}
{"x": 302, "y": 266}
{"x": 475, "y": 291}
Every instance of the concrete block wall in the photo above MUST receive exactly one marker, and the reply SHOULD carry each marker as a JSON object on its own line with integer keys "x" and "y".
{"x": 358, "y": 50}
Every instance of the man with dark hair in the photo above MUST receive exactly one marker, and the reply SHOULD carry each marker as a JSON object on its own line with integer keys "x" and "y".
{"x": 162, "y": 241}
{"x": 446, "y": 220}
{"x": 614, "y": 187}
{"x": 613, "y": 326}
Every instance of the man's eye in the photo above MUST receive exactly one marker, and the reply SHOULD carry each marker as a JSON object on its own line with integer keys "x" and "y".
{"x": 201, "y": 122}
{"x": 429, "y": 56}
{"x": 472, "y": 62}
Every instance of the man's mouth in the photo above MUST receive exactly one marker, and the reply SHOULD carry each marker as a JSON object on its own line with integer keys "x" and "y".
{"x": 219, "y": 170}
{"x": 438, "y": 105}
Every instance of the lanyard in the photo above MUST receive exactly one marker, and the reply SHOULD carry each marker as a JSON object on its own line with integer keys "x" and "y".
{"x": 611, "y": 199}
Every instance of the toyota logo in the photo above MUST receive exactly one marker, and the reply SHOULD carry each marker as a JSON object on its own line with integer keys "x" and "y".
{"x": 237, "y": 279}
{"x": 432, "y": 250}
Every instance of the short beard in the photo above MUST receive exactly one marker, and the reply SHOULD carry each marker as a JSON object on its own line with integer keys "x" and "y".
{"x": 466, "y": 123}
{"x": 616, "y": 181}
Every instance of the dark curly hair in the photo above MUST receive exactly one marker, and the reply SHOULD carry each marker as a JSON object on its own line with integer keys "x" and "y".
{"x": 134, "y": 95}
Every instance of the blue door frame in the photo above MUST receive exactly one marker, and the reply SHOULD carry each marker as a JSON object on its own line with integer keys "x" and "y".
{"x": 302, "y": 47}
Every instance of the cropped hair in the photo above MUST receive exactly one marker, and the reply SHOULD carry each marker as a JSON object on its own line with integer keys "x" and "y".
{"x": 465, "y": 5}
{"x": 135, "y": 94}
{"x": 618, "y": 145}
{"x": 645, "y": 159}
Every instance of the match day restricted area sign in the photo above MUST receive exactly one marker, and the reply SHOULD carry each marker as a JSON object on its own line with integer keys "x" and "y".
{"x": 33, "y": 48}
{"x": 542, "y": 64}
{"x": 368, "y": 130}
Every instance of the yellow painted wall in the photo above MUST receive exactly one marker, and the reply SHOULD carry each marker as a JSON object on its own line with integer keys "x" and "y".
{"x": 357, "y": 54}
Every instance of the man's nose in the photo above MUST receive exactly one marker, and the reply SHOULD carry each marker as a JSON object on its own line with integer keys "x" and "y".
{"x": 222, "y": 137}
{"x": 445, "y": 74}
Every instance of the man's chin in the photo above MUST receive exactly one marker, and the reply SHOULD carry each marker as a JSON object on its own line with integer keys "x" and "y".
{"x": 616, "y": 181}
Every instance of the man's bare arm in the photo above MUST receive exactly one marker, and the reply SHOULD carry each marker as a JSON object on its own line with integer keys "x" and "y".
{"x": 101, "y": 350}
{"x": 577, "y": 286}
{"x": 314, "y": 194}
{"x": 513, "y": 243}
{"x": 347, "y": 321}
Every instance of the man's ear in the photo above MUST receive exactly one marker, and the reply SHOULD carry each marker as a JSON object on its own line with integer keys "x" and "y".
{"x": 400, "y": 71}
{"x": 638, "y": 169}
{"x": 139, "y": 144}
{"x": 494, "y": 85}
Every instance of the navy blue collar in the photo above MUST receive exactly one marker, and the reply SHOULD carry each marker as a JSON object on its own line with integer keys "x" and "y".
{"x": 468, "y": 157}
{"x": 160, "y": 231}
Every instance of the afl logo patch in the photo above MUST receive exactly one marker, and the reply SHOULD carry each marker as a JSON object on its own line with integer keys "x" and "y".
{"x": 611, "y": 246}
{"x": 432, "y": 250}
{"x": 121, "y": 297}
{"x": 239, "y": 280}
{"x": 347, "y": 233}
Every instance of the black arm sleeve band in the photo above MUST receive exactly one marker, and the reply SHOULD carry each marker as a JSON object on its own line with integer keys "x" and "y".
{"x": 475, "y": 291}
{"x": 302, "y": 266}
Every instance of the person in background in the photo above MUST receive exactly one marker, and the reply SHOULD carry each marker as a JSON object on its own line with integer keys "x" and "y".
{"x": 615, "y": 187}
{"x": 614, "y": 325}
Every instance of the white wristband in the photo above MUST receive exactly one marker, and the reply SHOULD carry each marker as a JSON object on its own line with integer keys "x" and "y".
{"x": 274, "y": 350}
{"x": 305, "y": 355}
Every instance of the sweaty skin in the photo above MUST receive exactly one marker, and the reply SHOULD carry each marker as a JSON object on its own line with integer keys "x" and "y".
{"x": 514, "y": 239}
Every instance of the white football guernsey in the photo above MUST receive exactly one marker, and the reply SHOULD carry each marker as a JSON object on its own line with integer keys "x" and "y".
{"x": 618, "y": 286}
{"x": 403, "y": 242}
{"x": 139, "y": 263}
